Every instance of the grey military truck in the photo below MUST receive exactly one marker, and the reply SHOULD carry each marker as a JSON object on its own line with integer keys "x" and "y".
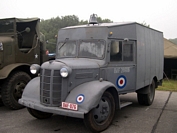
{"x": 21, "y": 44}
{"x": 94, "y": 64}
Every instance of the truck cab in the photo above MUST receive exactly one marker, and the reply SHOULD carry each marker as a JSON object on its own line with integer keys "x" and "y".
{"x": 21, "y": 44}
{"x": 94, "y": 64}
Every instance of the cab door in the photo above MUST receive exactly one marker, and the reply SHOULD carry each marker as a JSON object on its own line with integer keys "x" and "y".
{"x": 121, "y": 70}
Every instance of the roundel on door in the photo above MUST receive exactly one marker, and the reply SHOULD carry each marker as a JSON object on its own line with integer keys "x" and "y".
{"x": 121, "y": 81}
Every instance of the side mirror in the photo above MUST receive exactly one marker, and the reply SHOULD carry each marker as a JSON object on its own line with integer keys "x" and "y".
{"x": 27, "y": 29}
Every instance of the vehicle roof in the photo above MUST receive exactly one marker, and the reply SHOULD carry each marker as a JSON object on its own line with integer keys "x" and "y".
{"x": 108, "y": 25}
{"x": 101, "y": 25}
{"x": 22, "y": 19}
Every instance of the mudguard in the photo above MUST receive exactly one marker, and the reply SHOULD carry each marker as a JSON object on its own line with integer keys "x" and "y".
{"x": 5, "y": 71}
{"x": 88, "y": 95}
{"x": 32, "y": 90}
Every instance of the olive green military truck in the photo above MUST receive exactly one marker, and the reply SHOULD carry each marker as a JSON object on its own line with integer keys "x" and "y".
{"x": 21, "y": 44}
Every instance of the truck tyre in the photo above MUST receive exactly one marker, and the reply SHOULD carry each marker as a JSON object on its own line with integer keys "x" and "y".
{"x": 13, "y": 88}
{"x": 147, "y": 99}
{"x": 100, "y": 117}
{"x": 1, "y": 103}
{"x": 39, "y": 114}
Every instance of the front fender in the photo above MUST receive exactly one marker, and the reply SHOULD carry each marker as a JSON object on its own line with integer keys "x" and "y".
{"x": 32, "y": 90}
{"x": 91, "y": 92}
{"x": 5, "y": 71}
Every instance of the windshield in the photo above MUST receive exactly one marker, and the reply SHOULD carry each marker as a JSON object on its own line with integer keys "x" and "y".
{"x": 66, "y": 49}
{"x": 6, "y": 26}
{"x": 83, "y": 48}
{"x": 92, "y": 48}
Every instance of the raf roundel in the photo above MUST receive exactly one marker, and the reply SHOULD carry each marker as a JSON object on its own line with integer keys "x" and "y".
{"x": 121, "y": 82}
{"x": 80, "y": 98}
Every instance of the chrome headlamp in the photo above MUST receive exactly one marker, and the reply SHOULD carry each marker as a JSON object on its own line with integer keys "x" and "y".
{"x": 34, "y": 68}
{"x": 64, "y": 72}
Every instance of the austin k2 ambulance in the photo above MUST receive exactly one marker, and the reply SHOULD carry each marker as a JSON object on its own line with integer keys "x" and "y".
{"x": 94, "y": 64}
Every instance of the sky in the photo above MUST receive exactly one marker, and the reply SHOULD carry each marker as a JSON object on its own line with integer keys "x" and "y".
{"x": 159, "y": 14}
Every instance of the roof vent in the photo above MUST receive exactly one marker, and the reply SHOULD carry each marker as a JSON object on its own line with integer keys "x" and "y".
{"x": 93, "y": 19}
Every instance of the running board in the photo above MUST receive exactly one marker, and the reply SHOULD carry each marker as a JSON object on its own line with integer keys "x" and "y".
{"x": 124, "y": 104}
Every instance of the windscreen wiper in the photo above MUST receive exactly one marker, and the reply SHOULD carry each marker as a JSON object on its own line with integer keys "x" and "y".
{"x": 63, "y": 43}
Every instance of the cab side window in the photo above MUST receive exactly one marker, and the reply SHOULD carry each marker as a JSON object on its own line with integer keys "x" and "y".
{"x": 121, "y": 51}
{"x": 116, "y": 51}
{"x": 128, "y": 52}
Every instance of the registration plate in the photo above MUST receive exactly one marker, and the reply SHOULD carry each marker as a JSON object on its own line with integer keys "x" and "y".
{"x": 70, "y": 106}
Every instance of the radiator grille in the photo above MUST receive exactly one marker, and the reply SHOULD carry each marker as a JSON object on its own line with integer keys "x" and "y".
{"x": 50, "y": 87}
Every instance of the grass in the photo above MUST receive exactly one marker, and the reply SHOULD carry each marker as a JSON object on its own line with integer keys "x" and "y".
{"x": 168, "y": 85}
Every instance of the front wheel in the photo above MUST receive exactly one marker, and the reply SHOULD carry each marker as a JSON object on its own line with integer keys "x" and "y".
{"x": 99, "y": 118}
{"x": 1, "y": 103}
{"x": 39, "y": 114}
{"x": 147, "y": 99}
{"x": 13, "y": 88}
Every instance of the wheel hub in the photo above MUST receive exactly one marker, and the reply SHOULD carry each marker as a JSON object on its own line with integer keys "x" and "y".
{"x": 19, "y": 90}
{"x": 101, "y": 112}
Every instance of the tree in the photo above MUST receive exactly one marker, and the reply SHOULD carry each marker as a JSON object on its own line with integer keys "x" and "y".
{"x": 51, "y": 26}
{"x": 145, "y": 24}
{"x": 100, "y": 20}
{"x": 173, "y": 40}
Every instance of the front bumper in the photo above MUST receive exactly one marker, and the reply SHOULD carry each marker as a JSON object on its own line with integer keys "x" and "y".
{"x": 55, "y": 110}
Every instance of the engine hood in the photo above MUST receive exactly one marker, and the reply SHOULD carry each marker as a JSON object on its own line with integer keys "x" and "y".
{"x": 73, "y": 63}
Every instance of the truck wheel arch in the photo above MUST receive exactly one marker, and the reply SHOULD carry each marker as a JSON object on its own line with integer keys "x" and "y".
{"x": 145, "y": 89}
{"x": 155, "y": 80}
{"x": 147, "y": 98}
{"x": 5, "y": 72}
{"x": 91, "y": 93}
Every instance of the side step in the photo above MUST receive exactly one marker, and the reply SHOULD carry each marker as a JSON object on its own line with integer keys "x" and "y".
{"x": 124, "y": 104}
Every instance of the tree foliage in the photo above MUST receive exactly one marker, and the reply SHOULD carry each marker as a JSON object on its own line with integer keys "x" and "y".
{"x": 173, "y": 40}
{"x": 51, "y": 26}
{"x": 145, "y": 24}
{"x": 100, "y": 20}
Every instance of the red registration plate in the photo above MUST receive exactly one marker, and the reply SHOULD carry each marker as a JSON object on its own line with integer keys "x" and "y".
{"x": 70, "y": 106}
